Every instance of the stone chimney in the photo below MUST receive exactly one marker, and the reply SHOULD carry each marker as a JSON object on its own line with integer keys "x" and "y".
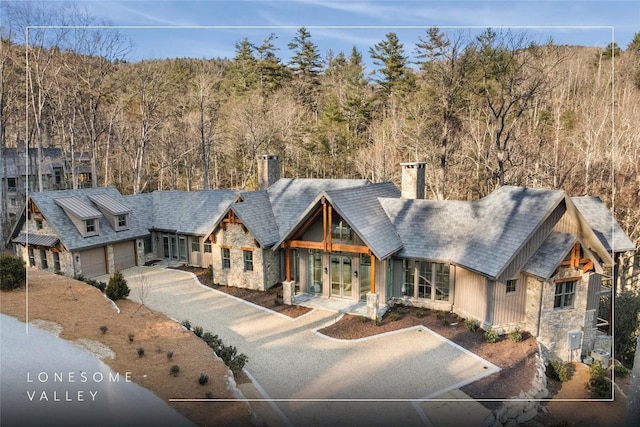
{"x": 413, "y": 180}
{"x": 268, "y": 170}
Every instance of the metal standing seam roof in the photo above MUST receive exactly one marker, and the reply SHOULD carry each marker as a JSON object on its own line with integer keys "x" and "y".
{"x": 114, "y": 207}
{"x": 77, "y": 207}
{"x": 603, "y": 224}
{"x": 550, "y": 254}
{"x": 37, "y": 239}
{"x": 481, "y": 235}
{"x": 48, "y": 203}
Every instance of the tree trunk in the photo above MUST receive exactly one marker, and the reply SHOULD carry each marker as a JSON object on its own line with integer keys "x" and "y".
{"x": 633, "y": 403}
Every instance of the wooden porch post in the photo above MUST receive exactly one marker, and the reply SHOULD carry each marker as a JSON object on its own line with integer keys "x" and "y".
{"x": 373, "y": 274}
{"x": 287, "y": 263}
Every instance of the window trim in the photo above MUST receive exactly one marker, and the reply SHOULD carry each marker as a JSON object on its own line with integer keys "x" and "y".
{"x": 122, "y": 221}
{"x": 246, "y": 259}
{"x": 563, "y": 294}
{"x": 207, "y": 247}
{"x": 44, "y": 263}
{"x": 226, "y": 260}
{"x": 195, "y": 244}
{"x": 56, "y": 262}
{"x": 411, "y": 267}
{"x": 514, "y": 289}
{"x": 90, "y": 226}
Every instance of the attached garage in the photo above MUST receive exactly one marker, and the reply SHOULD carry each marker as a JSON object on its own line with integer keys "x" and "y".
{"x": 93, "y": 262}
{"x": 124, "y": 255}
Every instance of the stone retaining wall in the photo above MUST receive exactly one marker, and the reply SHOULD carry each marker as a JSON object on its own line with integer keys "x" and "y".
{"x": 526, "y": 405}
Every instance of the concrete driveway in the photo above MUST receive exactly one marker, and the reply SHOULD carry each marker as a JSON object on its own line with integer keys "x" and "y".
{"x": 309, "y": 379}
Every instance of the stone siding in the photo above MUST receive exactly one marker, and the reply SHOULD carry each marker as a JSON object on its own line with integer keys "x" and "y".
{"x": 66, "y": 259}
{"x": 526, "y": 406}
{"x": 555, "y": 323}
{"x": 236, "y": 237}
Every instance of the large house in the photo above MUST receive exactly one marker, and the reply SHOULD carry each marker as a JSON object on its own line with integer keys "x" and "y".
{"x": 522, "y": 258}
{"x": 19, "y": 173}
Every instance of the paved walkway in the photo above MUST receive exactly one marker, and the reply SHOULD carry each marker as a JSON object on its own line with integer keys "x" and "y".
{"x": 309, "y": 379}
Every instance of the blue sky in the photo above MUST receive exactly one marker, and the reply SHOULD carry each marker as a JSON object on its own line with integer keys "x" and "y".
{"x": 210, "y": 29}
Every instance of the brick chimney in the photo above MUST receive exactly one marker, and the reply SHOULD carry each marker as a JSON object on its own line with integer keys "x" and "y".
{"x": 268, "y": 170}
{"x": 413, "y": 180}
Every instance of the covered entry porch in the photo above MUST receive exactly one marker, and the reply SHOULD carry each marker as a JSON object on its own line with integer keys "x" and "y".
{"x": 357, "y": 308}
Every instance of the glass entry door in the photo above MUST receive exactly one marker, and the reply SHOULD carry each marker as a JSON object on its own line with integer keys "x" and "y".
{"x": 182, "y": 248}
{"x": 341, "y": 276}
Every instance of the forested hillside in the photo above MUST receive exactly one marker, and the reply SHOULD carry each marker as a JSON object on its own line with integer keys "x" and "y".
{"x": 482, "y": 111}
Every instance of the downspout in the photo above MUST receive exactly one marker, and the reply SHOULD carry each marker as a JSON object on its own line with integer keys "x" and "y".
{"x": 539, "y": 308}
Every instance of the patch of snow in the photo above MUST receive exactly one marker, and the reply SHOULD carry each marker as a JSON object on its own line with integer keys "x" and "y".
{"x": 96, "y": 348}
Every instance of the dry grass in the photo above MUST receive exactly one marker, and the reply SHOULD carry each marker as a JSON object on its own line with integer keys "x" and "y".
{"x": 81, "y": 310}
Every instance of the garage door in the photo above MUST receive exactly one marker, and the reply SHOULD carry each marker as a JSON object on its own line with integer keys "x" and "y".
{"x": 124, "y": 255}
{"x": 93, "y": 262}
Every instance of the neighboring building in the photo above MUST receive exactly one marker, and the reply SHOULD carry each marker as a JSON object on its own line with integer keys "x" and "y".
{"x": 519, "y": 258}
{"x": 21, "y": 174}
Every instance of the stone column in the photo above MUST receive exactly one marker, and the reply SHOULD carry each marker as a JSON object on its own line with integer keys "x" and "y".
{"x": 373, "y": 303}
{"x": 289, "y": 292}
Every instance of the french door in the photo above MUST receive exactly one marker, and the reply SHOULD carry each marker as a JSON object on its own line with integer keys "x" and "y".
{"x": 341, "y": 273}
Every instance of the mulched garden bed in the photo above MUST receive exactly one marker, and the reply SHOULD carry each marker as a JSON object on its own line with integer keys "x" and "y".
{"x": 271, "y": 299}
{"x": 516, "y": 359}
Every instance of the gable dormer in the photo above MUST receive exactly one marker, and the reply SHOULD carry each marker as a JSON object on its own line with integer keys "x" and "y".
{"x": 83, "y": 216}
{"x": 117, "y": 214}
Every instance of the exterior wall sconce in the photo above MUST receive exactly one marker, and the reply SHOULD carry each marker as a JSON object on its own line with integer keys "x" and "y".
{"x": 77, "y": 258}
{"x": 355, "y": 273}
{"x": 139, "y": 244}
{"x": 326, "y": 270}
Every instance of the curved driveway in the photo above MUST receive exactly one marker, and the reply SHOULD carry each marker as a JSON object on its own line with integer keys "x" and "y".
{"x": 310, "y": 379}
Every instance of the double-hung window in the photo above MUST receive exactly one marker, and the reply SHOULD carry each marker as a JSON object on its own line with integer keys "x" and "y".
{"x": 226, "y": 258}
{"x": 565, "y": 294}
{"x": 248, "y": 260}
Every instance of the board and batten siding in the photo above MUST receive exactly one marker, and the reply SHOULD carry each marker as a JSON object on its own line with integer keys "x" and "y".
{"x": 566, "y": 225}
{"x": 509, "y": 308}
{"x": 531, "y": 246}
{"x": 471, "y": 295}
{"x": 593, "y": 295}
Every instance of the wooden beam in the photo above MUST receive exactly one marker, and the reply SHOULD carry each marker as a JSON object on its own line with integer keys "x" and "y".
{"x": 324, "y": 225}
{"x": 330, "y": 230}
{"x": 306, "y": 245}
{"x": 344, "y": 247}
{"x": 306, "y": 225}
{"x": 373, "y": 274}
{"x": 287, "y": 252}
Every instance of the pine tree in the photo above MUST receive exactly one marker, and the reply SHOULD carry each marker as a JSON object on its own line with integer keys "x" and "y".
{"x": 306, "y": 65}
{"x": 117, "y": 287}
{"x": 396, "y": 78}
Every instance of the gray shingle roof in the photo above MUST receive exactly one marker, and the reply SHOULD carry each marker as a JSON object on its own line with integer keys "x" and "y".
{"x": 550, "y": 254}
{"x": 256, "y": 214}
{"x": 290, "y": 197}
{"x": 361, "y": 208}
{"x": 190, "y": 212}
{"x": 69, "y": 234}
{"x": 603, "y": 224}
{"x": 482, "y": 235}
